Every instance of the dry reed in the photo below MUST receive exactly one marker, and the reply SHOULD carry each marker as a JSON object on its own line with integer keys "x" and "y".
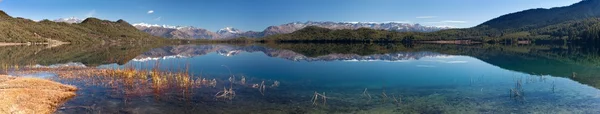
{"x": 32, "y": 95}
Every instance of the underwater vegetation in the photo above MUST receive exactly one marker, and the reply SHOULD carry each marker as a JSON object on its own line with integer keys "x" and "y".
{"x": 137, "y": 88}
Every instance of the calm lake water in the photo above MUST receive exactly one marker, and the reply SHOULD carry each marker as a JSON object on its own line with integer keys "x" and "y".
{"x": 352, "y": 78}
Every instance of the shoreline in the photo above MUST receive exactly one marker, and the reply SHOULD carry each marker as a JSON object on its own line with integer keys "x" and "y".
{"x": 11, "y": 44}
{"x": 51, "y": 43}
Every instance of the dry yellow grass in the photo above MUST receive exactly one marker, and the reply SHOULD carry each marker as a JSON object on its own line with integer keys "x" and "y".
{"x": 32, "y": 95}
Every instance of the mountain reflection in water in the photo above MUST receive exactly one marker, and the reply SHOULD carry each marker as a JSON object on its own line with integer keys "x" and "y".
{"x": 318, "y": 78}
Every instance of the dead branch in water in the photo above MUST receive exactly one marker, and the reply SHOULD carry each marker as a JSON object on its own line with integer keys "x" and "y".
{"x": 398, "y": 101}
{"x": 226, "y": 94}
{"x": 261, "y": 88}
{"x": 316, "y": 97}
{"x": 366, "y": 94}
{"x": 384, "y": 96}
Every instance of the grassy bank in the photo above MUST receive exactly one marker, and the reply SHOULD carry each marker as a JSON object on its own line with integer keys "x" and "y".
{"x": 32, "y": 95}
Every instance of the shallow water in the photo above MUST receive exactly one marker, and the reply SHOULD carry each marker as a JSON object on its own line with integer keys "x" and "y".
{"x": 415, "y": 81}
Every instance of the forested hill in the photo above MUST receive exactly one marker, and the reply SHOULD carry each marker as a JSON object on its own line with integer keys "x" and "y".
{"x": 92, "y": 30}
{"x": 319, "y": 34}
{"x": 536, "y": 18}
{"x": 575, "y": 23}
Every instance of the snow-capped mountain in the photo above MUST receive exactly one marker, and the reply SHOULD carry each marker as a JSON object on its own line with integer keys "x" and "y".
{"x": 146, "y": 25}
{"x": 391, "y": 26}
{"x": 176, "y": 32}
{"x": 190, "y": 32}
{"x": 229, "y": 32}
{"x": 69, "y": 20}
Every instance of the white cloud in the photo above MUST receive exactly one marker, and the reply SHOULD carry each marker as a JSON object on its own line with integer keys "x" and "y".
{"x": 91, "y": 13}
{"x": 447, "y": 23}
{"x": 158, "y": 19}
{"x": 451, "y": 21}
{"x": 151, "y": 12}
{"x": 426, "y": 17}
{"x": 397, "y": 22}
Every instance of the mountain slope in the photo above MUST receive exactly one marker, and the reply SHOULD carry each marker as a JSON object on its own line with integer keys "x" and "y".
{"x": 577, "y": 23}
{"x": 91, "y": 30}
{"x": 535, "y": 18}
{"x": 391, "y": 26}
{"x": 176, "y": 32}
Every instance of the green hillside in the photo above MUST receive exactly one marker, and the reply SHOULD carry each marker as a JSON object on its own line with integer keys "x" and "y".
{"x": 92, "y": 30}
{"x": 537, "y": 18}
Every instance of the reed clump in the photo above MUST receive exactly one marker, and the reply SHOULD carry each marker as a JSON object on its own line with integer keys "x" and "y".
{"x": 128, "y": 80}
{"x": 32, "y": 95}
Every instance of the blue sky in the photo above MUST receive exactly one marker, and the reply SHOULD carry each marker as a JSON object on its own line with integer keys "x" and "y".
{"x": 258, "y": 14}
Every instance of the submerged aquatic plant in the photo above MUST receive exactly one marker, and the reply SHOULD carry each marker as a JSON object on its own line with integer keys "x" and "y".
{"x": 275, "y": 84}
{"x": 243, "y": 81}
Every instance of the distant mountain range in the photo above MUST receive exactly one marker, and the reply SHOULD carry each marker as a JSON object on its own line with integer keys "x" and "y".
{"x": 578, "y": 22}
{"x": 190, "y": 32}
{"x": 178, "y": 32}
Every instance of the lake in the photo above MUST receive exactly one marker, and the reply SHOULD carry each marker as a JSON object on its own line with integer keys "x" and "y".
{"x": 325, "y": 78}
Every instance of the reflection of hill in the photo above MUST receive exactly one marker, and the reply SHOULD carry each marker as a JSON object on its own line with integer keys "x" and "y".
{"x": 319, "y": 49}
{"x": 91, "y": 55}
{"x": 538, "y": 60}
{"x": 535, "y": 60}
